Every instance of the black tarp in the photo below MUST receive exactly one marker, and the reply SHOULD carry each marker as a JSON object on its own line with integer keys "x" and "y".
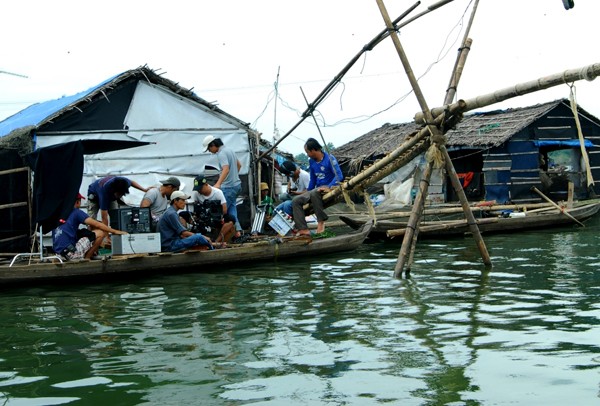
{"x": 101, "y": 114}
{"x": 58, "y": 171}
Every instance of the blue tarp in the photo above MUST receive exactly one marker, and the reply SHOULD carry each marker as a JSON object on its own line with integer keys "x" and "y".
{"x": 563, "y": 143}
{"x": 37, "y": 113}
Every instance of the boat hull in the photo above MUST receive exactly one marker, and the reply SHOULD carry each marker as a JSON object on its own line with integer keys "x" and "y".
{"x": 271, "y": 249}
{"x": 453, "y": 228}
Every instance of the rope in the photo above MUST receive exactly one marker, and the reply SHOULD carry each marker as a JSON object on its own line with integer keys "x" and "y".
{"x": 348, "y": 201}
{"x": 370, "y": 207}
{"x": 573, "y": 101}
{"x": 587, "y": 73}
{"x": 434, "y": 155}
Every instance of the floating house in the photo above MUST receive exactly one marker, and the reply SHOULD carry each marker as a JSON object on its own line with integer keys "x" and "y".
{"x": 137, "y": 105}
{"x": 499, "y": 155}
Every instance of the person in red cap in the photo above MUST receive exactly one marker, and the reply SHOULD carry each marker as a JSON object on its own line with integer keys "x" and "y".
{"x": 71, "y": 242}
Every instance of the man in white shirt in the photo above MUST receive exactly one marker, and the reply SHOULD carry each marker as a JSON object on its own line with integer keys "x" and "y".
{"x": 203, "y": 192}
{"x": 298, "y": 180}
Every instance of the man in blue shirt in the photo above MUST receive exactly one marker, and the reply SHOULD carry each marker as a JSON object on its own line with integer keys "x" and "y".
{"x": 173, "y": 235}
{"x": 325, "y": 173}
{"x": 71, "y": 242}
{"x": 103, "y": 194}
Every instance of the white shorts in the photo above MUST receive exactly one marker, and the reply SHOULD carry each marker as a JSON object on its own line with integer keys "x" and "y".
{"x": 81, "y": 247}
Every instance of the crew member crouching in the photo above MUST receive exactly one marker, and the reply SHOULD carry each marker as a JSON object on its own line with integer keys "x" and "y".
{"x": 71, "y": 242}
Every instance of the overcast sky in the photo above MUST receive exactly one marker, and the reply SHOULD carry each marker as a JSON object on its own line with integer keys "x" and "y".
{"x": 230, "y": 52}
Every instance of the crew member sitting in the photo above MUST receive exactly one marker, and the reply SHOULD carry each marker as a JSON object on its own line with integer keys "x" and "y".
{"x": 205, "y": 198}
{"x": 173, "y": 235}
{"x": 266, "y": 200}
{"x": 71, "y": 242}
{"x": 298, "y": 180}
{"x": 325, "y": 173}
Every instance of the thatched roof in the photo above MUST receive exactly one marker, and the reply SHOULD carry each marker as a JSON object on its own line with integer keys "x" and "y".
{"x": 19, "y": 139}
{"x": 493, "y": 128}
{"x": 377, "y": 142}
{"x": 479, "y": 130}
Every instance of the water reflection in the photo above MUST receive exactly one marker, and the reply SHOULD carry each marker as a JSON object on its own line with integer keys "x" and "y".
{"x": 336, "y": 331}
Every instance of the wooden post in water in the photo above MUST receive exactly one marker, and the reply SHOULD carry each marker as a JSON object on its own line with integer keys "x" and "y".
{"x": 434, "y": 131}
{"x": 437, "y": 137}
{"x": 450, "y": 93}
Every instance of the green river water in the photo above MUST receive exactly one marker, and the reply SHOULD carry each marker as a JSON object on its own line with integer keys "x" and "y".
{"x": 338, "y": 330}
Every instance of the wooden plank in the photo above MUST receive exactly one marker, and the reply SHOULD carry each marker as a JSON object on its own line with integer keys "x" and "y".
{"x": 15, "y": 170}
{"x": 11, "y": 205}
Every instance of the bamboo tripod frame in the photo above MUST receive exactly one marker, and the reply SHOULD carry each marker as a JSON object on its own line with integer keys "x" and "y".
{"x": 438, "y": 141}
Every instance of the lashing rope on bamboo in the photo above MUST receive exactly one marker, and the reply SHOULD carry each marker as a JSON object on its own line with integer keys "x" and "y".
{"x": 370, "y": 207}
{"x": 348, "y": 201}
{"x": 573, "y": 102}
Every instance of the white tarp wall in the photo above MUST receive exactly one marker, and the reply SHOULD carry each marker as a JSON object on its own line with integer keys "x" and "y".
{"x": 176, "y": 126}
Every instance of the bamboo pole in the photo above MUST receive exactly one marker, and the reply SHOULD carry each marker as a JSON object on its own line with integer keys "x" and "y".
{"x": 584, "y": 154}
{"x": 437, "y": 137}
{"x": 453, "y": 210}
{"x": 418, "y": 205}
{"x": 467, "y": 209}
{"x": 439, "y": 227}
{"x": 373, "y": 173}
{"x": 450, "y": 93}
{"x": 30, "y": 202}
{"x": 16, "y": 237}
{"x": 368, "y": 47}
{"x": 461, "y": 59}
{"x": 570, "y": 192}
{"x": 15, "y": 170}
{"x": 331, "y": 85}
{"x": 458, "y": 69}
{"x": 588, "y": 72}
{"x": 11, "y": 205}
{"x": 536, "y": 190}
{"x": 259, "y": 174}
{"x": 423, "y": 190}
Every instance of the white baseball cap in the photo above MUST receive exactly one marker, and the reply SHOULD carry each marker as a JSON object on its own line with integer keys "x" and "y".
{"x": 178, "y": 194}
{"x": 207, "y": 140}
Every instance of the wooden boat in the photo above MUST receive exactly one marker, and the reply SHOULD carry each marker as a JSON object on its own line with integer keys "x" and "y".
{"x": 535, "y": 219}
{"x": 264, "y": 249}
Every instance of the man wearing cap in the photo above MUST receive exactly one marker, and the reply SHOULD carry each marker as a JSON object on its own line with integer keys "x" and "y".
{"x": 71, "y": 242}
{"x": 158, "y": 199}
{"x": 104, "y": 193}
{"x": 203, "y": 192}
{"x": 298, "y": 183}
{"x": 266, "y": 199}
{"x": 173, "y": 235}
{"x": 229, "y": 179}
